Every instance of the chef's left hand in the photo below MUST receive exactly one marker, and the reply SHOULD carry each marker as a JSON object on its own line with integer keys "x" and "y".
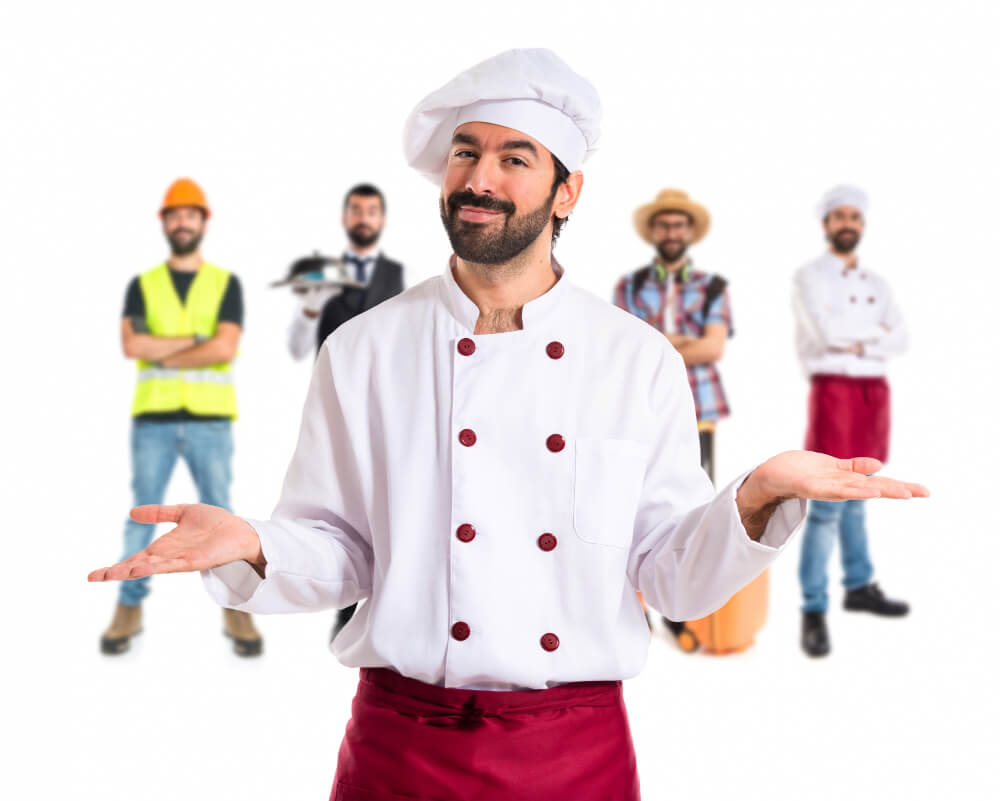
{"x": 814, "y": 476}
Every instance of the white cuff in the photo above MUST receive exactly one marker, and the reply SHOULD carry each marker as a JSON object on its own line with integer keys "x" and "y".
{"x": 234, "y": 584}
{"x": 786, "y": 518}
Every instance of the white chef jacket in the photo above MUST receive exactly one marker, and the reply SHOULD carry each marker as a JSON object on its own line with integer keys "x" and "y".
{"x": 381, "y": 482}
{"x": 836, "y": 307}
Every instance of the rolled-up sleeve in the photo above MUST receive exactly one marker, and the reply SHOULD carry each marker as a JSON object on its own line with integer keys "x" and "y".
{"x": 690, "y": 551}
{"x": 317, "y": 543}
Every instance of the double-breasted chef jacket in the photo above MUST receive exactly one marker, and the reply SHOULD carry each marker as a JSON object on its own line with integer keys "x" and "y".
{"x": 496, "y": 500}
{"x": 835, "y": 308}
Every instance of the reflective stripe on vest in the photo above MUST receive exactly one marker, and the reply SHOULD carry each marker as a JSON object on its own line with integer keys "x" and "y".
{"x": 206, "y": 391}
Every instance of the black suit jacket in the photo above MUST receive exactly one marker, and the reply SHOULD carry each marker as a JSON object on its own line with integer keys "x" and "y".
{"x": 386, "y": 281}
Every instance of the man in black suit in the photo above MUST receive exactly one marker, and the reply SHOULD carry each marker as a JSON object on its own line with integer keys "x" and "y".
{"x": 381, "y": 278}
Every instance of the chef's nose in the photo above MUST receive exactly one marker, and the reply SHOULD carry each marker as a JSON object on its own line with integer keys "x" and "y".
{"x": 484, "y": 176}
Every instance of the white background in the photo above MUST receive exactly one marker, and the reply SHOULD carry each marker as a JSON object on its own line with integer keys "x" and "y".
{"x": 755, "y": 108}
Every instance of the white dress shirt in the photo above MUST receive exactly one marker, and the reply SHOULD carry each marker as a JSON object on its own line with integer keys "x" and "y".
{"x": 386, "y": 472}
{"x": 835, "y": 308}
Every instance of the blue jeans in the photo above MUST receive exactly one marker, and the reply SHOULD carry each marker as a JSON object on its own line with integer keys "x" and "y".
{"x": 207, "y": 447}
{"x": 828, "y": 520}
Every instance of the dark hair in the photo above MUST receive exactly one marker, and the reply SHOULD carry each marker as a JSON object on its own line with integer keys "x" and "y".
{"x": 364, "y": 190}
{"x": 561, "y": 175}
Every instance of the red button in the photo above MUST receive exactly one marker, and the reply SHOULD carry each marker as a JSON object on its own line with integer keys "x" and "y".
{"x": 466, "y": 533}
{"x": 555, "y": 350}
{"x": 871, "y": 300}
{"x": 547, "y": 542}
{"x": 461, "y": 631}
{"x": 550, "y": 642}
{"x": 467, "y": 437}
{"x": 466, "y": 347}
{"x": 555, "y": 443}
{"x": 853, "y": 299}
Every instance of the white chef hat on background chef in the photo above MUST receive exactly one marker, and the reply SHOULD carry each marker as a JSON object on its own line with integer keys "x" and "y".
{"x": 843, "y": 195}
{"x": 530, "y": 90}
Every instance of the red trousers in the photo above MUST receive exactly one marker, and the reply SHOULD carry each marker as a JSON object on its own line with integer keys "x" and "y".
{"x": 410, "y": 741}
{"x": 849, "y": 417}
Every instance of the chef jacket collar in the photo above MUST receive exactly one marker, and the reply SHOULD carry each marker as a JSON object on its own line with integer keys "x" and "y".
{"x": 836, "y": 265}
{"x": 532, "y": 313}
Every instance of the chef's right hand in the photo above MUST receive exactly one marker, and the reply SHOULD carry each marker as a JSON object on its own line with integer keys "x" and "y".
{"x": 205, "y": 537}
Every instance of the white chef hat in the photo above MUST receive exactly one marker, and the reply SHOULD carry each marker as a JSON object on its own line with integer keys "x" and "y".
{"x": 530, "y": 90}
{"x": 843, "y": 195}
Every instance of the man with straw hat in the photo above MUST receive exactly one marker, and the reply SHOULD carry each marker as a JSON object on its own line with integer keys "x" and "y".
{"x": 509, "y": 463}
{"x": 689, "y": 306}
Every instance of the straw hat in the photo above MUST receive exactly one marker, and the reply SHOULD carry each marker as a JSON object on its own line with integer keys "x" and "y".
{"x": 672, "y": 200}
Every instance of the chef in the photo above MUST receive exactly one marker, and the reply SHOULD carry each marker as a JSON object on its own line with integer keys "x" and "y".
{"x": 511, "y": 462}
{"x": 847, "y": 328}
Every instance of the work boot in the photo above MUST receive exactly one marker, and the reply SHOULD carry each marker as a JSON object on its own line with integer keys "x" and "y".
{"x": 239, "y": 627}
{"x": 871, "y": 599}
{"x": 126, "y": 623}
{"x": 815, "y": 637}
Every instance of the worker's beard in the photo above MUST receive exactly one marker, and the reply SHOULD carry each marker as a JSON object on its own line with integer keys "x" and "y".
{"x": 363, "y": 236}
{"x": 477, "y": 243}
{"x": 671, "y": 251}
{"x": 845, "y": 241}
{"x": 183, "y": 247}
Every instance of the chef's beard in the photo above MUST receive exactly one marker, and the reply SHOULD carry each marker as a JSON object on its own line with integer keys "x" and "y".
{"x": 845, "y": 241}
{"x": 472, "y": 243}
{"x": 179, "y": 248}
{"x": 363, "y": 240}
{"x": 671, "y": 253}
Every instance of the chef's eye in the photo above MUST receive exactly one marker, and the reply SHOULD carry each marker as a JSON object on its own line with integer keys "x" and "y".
{"x": 464, "y": 154}
{"x": 517, "y": 162}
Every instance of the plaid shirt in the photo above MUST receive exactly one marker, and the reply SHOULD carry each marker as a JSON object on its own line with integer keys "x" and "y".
{"x": 688, "y": 316}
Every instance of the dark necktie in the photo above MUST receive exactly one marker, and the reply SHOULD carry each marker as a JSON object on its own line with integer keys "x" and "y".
{"x": 359, "y": 267}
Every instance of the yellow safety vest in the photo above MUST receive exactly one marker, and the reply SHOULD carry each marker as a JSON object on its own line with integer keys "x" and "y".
{"x": 206, "y": 391}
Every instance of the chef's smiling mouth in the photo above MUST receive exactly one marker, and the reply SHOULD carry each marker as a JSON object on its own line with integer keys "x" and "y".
{"x": 477, "y": 213}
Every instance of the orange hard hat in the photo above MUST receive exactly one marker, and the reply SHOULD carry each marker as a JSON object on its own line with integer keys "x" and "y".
{"x": 185, "y": 192}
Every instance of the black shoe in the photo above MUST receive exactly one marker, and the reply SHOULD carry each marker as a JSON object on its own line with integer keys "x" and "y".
{"x": 815, "y": 637}
{"x": 675, "y": 627}
{"x": 871, "y": 599}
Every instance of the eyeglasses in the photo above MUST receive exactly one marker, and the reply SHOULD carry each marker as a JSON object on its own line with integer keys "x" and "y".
{"x": 667, "y": 227}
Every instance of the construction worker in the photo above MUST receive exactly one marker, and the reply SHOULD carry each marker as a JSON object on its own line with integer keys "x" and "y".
{"x": 182, "y": 324}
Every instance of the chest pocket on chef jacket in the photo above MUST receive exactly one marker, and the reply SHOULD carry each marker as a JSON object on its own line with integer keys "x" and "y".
{"x": 609, "y": 476}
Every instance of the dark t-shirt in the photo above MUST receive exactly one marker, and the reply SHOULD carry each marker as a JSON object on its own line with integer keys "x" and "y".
{"x": 231, "y": 311}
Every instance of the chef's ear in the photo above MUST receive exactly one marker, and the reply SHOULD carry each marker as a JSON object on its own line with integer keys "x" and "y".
{"x": 567, "y": 194}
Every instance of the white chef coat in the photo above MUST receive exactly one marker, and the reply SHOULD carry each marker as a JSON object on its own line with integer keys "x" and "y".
{"x": 835, "y": 308}
{"x": 381, "y": 481}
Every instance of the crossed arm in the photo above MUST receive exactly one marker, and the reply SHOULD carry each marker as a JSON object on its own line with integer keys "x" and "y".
{"x": 709, "y": 347}
{"x": 181, "y": 351}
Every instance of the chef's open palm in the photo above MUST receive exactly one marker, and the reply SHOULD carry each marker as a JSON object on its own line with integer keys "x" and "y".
{"x": 815, "y": 476}
{"x": 204, "y": 537}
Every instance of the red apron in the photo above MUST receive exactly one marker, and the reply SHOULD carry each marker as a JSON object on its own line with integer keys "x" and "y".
{"x": 410, "y": 741}
{"x": 849, "y": 417}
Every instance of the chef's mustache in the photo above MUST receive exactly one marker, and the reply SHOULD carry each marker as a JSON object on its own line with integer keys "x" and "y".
{"x": 466, "y": 197}
{"x": 177, "y": 231}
